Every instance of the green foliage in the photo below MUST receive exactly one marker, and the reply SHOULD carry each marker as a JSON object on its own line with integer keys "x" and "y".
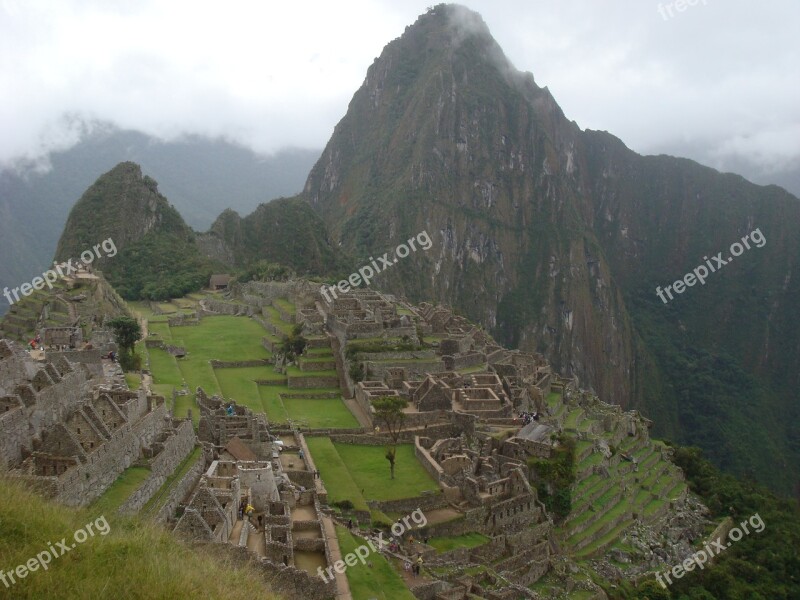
{"x": 354, "y": 348}
{"x": 263, "y": 270}
{"x": 293, "y": 344}
{"x": 126, "y": 332}
{"x": 555, "y": 476}
{"x": 356, "y": 371}
{"x": 159, "y": 266}
{"x": 389, "y": 415}
{"x": 761, "y": 565}
{"x": 129, "y": 360}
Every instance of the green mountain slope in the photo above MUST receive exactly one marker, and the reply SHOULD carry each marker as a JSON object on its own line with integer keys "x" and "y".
{"x": 152, "y": 253}
{"x": 556, "y": 238}
{"x": 285, "y": 231}
{"x": 200, "y": 176}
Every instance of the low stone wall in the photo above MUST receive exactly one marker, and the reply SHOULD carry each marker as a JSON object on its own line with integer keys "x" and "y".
{"x": 309, "y": 395}
{"x": 468, "y": 360}
{"x": 404, "y": 355}
{"x": 306, "y": 364}
{"x": 221, "y": 364}
{"x": 424, "y": 502}
{"x": 378, "y": 370}
{"x": 313, "y": 382}
{"x": 77, "y": 356}
{"x": 227, "y": 308}
{"x": 275, "y": 382}
{"x": 427, "y": 461}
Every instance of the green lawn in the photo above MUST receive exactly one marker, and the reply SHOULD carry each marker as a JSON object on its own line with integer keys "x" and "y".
{"x": 182, "y": 406}
{"x": 271, "y": 403}
{"x": 120, "y": 490}
{"x": 239, "y": 384}
{"x": 198, "y": 373}
{"x": 222, "y": 337}
{"x": 159, "y": 330}
{"x": 320, "y": 413}
{"x": 370, "y": 470}
{"x": 335, "y": 475}
{"x": 164, "y": 367}
{"x": 467, "y": 540}
{"x": 381, "y": 581}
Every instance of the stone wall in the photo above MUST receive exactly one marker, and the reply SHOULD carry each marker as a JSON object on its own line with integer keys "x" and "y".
{"x": 227, "y": 308}
{"x": 221, "y": 364}
{"x": 313, "y": 382}
{"x": 178, "y": 492}
{"x": 176, "y": 448}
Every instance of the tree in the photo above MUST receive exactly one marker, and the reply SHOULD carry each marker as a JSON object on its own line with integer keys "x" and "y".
{"x": 294, "y": 344}
{"x": 389, "y": 414}
{"x": 126, "y": 332}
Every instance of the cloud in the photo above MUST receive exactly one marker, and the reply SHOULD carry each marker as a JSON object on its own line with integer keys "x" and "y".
{"x": 716, "y": 78}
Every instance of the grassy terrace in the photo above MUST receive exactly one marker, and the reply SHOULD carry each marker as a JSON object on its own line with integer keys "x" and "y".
{"x": 120, "y": 490}
{"x": 361, "y": 473}
{"x": 274, "y": 317}
{"x": 285, "y": 306}
{"x": 381, "y": 581}
{"x": 466, "y": 540}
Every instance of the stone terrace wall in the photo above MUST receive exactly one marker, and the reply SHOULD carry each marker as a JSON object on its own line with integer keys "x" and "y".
{"x": 227, "y": 308}
{"x": 178, "y": 492}
{"x": 176, "y": 448}
{"x": 313, "y": 382}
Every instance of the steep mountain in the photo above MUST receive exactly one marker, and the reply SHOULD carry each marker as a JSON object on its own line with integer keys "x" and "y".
{"x": 556, "y": 239}
{"x": 139, "y": 240}
{"x": 285, "y": 231}
{"x": 200, "y": 176}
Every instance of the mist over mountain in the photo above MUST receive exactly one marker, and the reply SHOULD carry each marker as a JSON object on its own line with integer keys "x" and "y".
{"x": 200, "y": 176}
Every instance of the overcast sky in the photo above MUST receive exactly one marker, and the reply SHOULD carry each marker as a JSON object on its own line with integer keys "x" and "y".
{"x": 719, "y": 78}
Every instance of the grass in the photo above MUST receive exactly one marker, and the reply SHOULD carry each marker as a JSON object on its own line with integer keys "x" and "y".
{"x": 199, "y": 373}
{"x": 164, "y": 368}
{"x": 285, "y": 305}
{"x": 239, "y": 384}
{"x": 159, "y": 330}
{"x": 466, "y": 540}
{"x": 381, "y": 581}
{"x": 370, "y": 470}
{"x": 271, "y": 403}
{"x": 335, "y": 475}
{"x": 120, "y": 490}
{"x": 182, "y": 406}
{"x": 102, "y": 567}
{"x": 320, "y": 413}
{"x": 134, "y": 380}
{"x": 475, "y": 369}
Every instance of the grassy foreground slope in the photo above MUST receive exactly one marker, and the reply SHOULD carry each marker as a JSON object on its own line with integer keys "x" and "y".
{"x": 134, "y": 560}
